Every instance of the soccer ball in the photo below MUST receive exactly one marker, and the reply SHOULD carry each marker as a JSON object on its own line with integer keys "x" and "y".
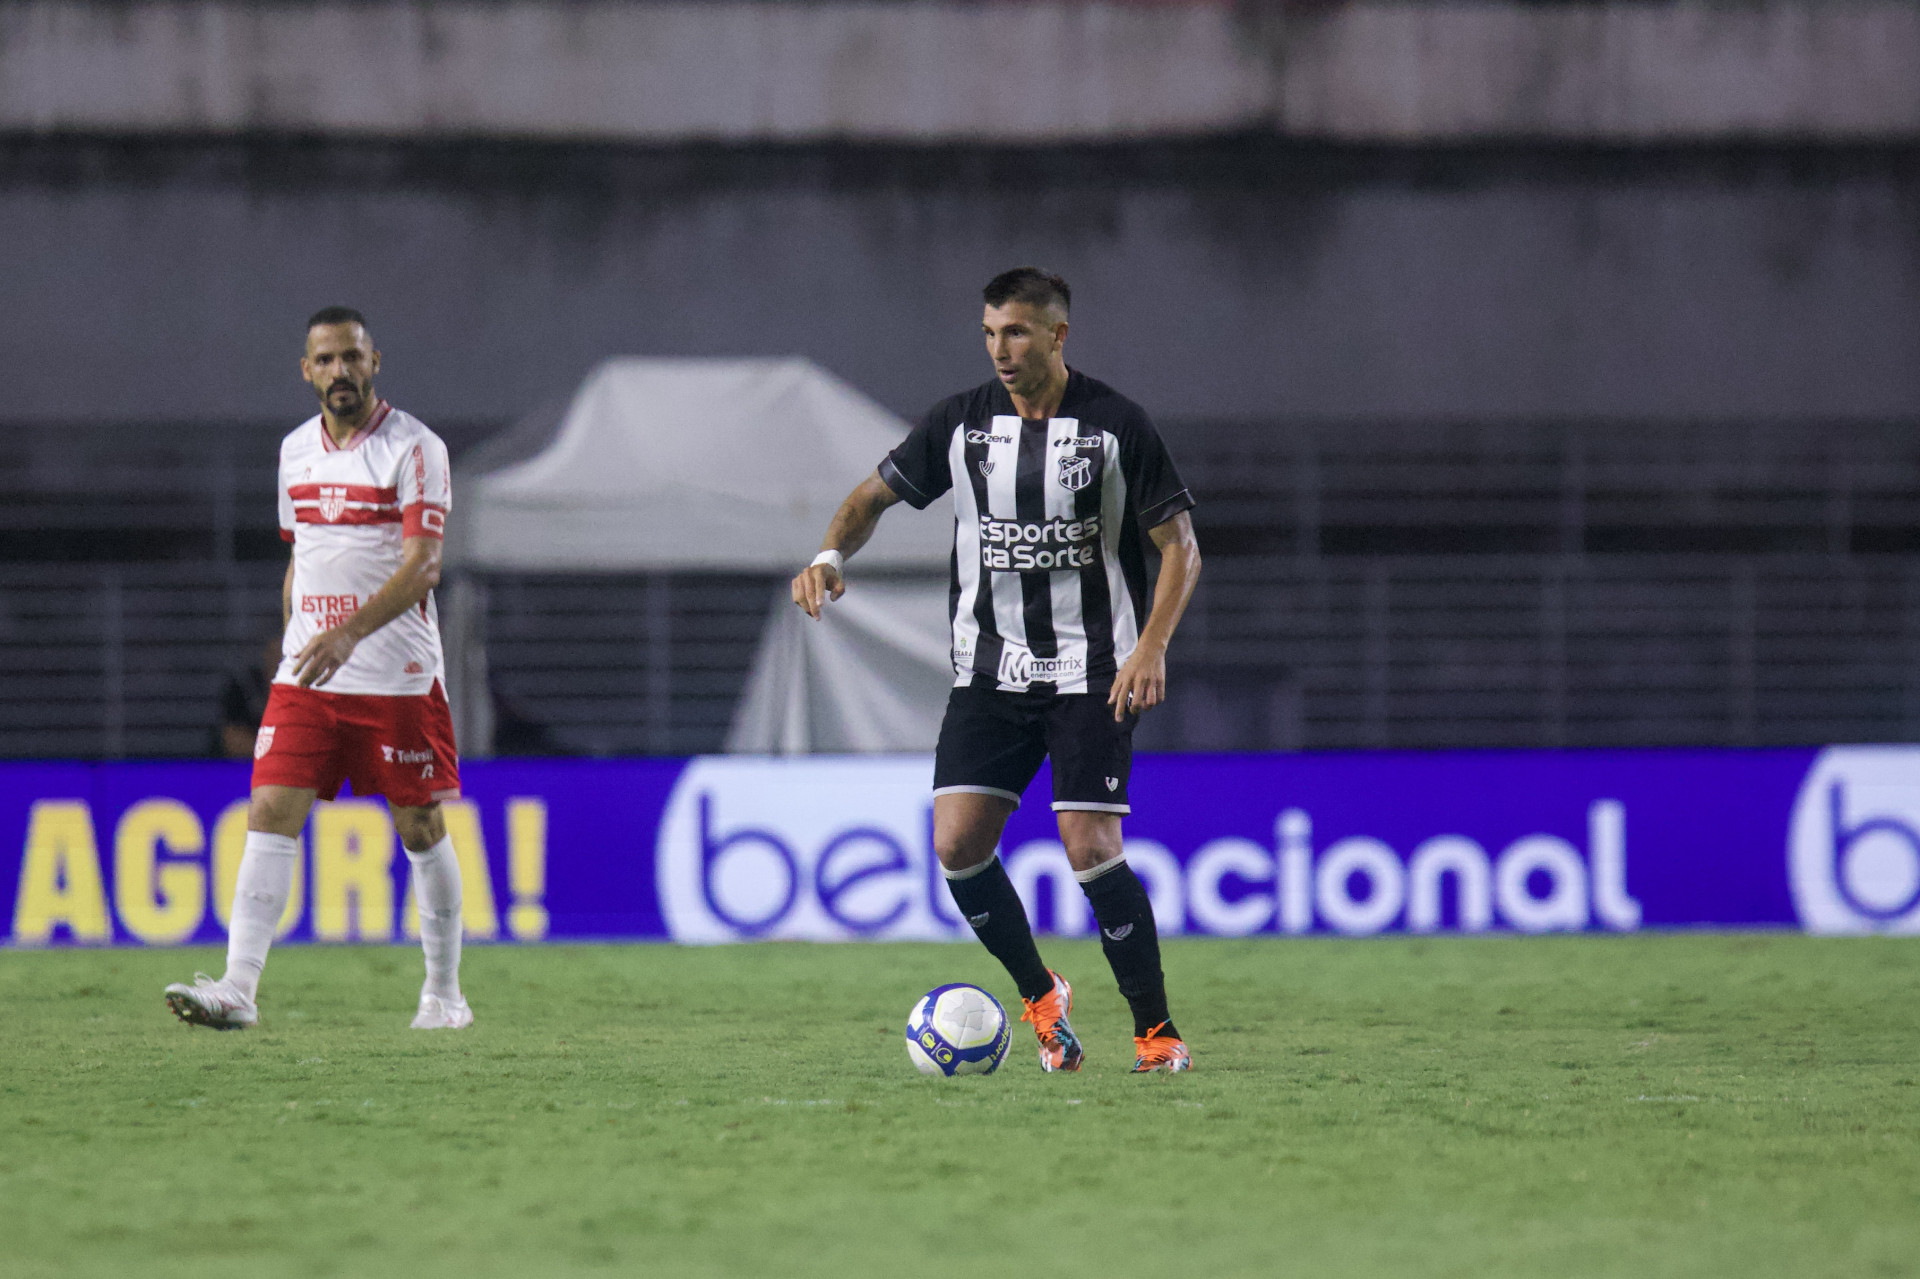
{"x": 957, "y": 1030}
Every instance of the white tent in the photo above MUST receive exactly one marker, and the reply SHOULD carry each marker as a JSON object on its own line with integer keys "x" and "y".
{"x": 681, "y": 464}
{"x": 664, "y": 465}
{"x": 872, "y": 675}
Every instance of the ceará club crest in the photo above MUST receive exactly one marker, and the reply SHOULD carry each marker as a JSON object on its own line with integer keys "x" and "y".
{"x": 1076, "y": 473}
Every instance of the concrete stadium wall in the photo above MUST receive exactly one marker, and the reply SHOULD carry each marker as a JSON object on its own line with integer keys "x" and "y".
{"x": 1046, "y": 70}
{"x": 1237, "y": 278}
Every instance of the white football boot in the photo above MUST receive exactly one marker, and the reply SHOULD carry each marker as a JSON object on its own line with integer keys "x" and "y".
{"x": 211, "y": 1003}
{"x": 442, "y": 1014}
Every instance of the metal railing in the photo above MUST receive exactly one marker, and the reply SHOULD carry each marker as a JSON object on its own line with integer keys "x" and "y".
{"x": 1276, "y": 653}
{"x": 1524, "y": 650}
{"x": 1392, "y": 585}
{"x": 125, "y": 661}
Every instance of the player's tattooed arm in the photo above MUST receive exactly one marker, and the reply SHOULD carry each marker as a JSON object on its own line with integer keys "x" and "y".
{"x": 327, "y": 652}
{"x": 1142, "y": 683}
{"x": 852, "y": 526}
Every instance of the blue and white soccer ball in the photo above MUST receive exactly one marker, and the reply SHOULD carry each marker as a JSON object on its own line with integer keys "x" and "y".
{"x": 957, "y": 1030}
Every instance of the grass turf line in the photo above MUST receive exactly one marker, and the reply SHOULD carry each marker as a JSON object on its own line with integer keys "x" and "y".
{"x": 1650, "y": 1105}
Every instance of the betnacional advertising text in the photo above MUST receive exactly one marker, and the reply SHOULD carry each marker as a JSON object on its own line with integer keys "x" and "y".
{"x": 735, "y": 848}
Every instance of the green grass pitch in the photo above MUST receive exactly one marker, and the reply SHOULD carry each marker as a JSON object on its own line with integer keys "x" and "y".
{"x": 1647, "y": 1106}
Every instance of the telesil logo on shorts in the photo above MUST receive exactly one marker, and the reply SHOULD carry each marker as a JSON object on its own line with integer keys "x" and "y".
{"x": 1010, "y": 546}
{"x": 1853, "y": 845}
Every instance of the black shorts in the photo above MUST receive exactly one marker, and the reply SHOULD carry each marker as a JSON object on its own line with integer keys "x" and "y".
{"x": 992, "y": 743}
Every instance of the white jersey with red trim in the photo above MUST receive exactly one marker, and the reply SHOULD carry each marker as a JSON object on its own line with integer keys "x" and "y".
{"x": 347, "y": 511}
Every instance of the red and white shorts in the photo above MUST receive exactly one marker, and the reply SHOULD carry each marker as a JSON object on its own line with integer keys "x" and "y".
{"x": 400, "y": 747}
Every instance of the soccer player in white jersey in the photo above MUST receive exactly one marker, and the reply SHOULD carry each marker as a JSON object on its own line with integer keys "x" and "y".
{"x": 1057, "y": 480}
{"x": 364, "y": 496}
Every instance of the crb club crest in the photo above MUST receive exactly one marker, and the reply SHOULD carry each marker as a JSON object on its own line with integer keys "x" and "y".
{"x": 1076, "y": 473}
{"x": 333, "y": 502}
{"x": 263, "y": 742}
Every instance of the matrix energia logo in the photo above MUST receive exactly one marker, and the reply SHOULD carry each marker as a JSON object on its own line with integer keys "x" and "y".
{"x": 1853, "y": 847}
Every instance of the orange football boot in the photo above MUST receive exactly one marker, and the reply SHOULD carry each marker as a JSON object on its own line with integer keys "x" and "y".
{"x": 1155, "y": 1053}
{"x": 1059, "y": 1046}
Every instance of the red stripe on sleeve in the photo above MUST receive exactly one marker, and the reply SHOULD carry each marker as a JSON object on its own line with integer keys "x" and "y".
{"x": 423, "y": 519}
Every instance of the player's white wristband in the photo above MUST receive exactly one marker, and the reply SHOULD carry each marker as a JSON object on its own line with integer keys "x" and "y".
{"x": 834, "y": 558}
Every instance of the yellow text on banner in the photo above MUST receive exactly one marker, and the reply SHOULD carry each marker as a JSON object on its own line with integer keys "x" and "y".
{"x": 60, "y": 883}
{"x": 527, "y": 867}
{"x": 352, "y": 871}
{"x": 160, "y": 900}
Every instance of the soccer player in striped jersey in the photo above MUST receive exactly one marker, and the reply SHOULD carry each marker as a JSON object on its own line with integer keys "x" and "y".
{"x": 364, "y": 496}
{"x": 1058, "y": 480}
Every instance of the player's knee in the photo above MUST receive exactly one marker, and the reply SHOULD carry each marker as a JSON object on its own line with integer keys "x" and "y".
{"x": 956, "y": 852}
{"x": 962, "y": 845}
{"x": 967, "y": 827}
{"x": 1084, "y": 855}
{"x": 278, "y": 810}
{"x": 420, "y": 828}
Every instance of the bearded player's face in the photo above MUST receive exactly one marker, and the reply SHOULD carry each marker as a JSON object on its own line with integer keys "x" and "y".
{"x": 339, "y": 364}
{"x": 1022, "y": 340}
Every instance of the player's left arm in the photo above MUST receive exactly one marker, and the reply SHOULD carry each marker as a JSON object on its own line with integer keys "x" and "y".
{"x": 327, "y": 652}
{"x": 1142, "y": 682}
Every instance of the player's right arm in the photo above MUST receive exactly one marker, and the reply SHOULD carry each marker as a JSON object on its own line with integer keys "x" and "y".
{"x": 286, "y": 598}
{"x": 852, "y": 526}
{"x": 915, "y": 472}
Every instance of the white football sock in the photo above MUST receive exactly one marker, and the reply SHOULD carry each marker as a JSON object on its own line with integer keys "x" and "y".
{"x": 436, "y": 889}
{"x": 259, "y": 896}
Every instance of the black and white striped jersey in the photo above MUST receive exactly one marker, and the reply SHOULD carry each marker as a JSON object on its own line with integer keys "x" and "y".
{"x": 1049, "y": 546}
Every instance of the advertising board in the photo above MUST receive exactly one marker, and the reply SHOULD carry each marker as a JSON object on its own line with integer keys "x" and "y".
{"x": 738, "y": 848}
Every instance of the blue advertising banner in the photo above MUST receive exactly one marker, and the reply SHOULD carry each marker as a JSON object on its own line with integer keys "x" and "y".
{"x": 735, "y": 848}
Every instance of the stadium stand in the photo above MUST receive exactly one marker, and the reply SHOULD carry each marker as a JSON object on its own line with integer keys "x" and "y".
{"x": 1366, "y": 586}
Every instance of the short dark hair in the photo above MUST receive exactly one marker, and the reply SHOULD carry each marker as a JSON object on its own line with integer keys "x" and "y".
{"x": 336, "y": 315}
{"x": 1029, "y": 284}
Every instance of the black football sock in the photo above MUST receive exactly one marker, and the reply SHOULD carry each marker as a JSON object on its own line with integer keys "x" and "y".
{"x": 1125, "y": 915}
{"x": 985, "y": 896}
